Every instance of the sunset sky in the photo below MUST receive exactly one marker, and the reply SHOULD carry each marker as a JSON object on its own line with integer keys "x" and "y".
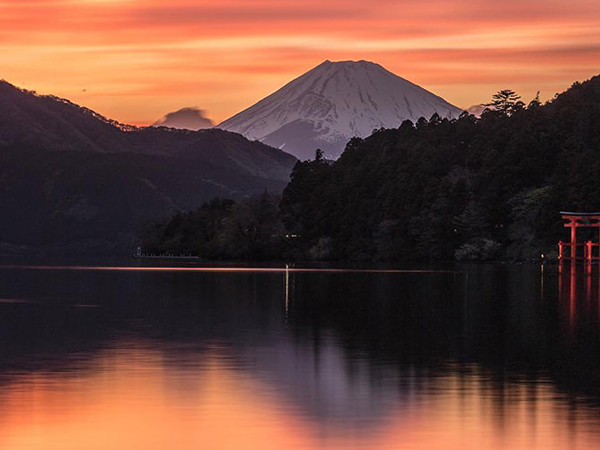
{"x": 136, "y": 60}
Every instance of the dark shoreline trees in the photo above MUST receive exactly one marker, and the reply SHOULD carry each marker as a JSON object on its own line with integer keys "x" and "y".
{"x": 247, "y": 229}
{"x": 469, "y": 188}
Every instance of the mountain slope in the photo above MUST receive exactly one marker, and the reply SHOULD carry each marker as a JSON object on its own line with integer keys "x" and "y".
{"x": 51, "y": 123}
{"x": 54, "y": 123}
{"x": 332, "y": 103}
{"x": 70, "y": 177}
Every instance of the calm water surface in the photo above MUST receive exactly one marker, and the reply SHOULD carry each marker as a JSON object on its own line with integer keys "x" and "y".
{"x": 480, "y": 357}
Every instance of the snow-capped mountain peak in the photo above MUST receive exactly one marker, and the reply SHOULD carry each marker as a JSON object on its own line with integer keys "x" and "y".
{"x": 332, "y": 103}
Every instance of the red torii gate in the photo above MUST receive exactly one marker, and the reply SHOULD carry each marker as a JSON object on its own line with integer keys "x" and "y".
{"x": 579, "y": 220}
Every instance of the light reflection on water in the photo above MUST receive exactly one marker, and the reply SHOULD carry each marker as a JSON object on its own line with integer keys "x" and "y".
{"x": 501, "y": 359}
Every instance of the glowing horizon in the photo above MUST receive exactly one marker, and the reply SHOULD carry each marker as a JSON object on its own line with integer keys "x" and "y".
{"x": 135, "y": 61}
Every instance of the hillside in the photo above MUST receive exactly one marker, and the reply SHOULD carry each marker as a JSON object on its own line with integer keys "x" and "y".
{"x": 442, "y": 189}
{"x": 70, "y": 177}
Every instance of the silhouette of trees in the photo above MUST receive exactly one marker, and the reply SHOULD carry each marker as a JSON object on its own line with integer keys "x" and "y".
{"x": 443, "y": 189}
{"x": 506, "y": 102}
{"x": 436, "y": 190}
{"x": 222, "y": 229}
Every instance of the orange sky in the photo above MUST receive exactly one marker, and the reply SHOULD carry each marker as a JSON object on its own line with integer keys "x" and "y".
{"x": 135, "y": 60}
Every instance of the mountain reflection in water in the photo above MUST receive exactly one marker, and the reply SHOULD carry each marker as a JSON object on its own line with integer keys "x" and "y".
{"x": 486, "y": 357}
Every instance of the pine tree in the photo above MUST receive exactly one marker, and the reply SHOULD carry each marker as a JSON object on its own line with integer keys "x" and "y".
{"x": 535, "y": 103}
{"x": 506, "y": 102}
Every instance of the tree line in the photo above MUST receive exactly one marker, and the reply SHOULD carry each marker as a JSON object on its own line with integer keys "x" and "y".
{"x": 466, "y": 189}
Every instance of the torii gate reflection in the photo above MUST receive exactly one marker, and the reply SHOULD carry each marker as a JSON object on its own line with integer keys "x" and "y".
{"x": 577, "y": 220}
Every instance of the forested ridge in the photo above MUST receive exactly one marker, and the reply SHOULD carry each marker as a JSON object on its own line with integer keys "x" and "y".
{"x": 75, "y": 182}
{"x": 471, "y": 188}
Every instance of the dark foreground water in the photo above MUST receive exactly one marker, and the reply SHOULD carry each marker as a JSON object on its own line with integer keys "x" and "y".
{"x": 483, "y": 357}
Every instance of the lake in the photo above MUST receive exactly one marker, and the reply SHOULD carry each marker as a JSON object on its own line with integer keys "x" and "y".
{"x": 156, "y": 358}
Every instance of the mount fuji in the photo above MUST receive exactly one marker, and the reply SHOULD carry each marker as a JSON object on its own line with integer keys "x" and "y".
{"x": 332, "y": 103}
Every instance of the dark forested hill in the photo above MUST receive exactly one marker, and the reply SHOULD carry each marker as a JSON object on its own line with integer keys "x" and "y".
{"x": 70, "y": 177}
{"x": 442, "y": 189}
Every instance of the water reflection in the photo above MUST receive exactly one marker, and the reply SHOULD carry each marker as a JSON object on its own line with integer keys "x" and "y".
{"x": 480, "y": 357}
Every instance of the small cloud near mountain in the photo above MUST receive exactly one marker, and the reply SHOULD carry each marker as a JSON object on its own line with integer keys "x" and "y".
{"x": 476, "y": 110}
{"x": 185, "y": 118}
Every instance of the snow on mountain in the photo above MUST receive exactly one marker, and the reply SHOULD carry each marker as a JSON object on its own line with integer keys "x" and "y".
{"x": 477, "y": 110}
{"x": 332, "y": 103}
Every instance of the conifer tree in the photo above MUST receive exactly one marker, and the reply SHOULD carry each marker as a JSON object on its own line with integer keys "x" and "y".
{"x": 506, "y": 102}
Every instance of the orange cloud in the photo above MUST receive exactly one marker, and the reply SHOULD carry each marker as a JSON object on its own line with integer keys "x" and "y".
{"x": 134, "y": 60}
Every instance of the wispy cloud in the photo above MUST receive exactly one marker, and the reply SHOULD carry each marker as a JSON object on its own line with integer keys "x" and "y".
{"x": 134, "y": 59}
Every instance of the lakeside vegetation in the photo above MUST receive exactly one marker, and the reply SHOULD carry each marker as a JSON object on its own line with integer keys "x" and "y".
{"x": 467, "y": 189}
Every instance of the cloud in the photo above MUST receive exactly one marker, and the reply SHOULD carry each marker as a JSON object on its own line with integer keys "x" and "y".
{"x": 143, "y": 56}
{"x": 186, "y": 118}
